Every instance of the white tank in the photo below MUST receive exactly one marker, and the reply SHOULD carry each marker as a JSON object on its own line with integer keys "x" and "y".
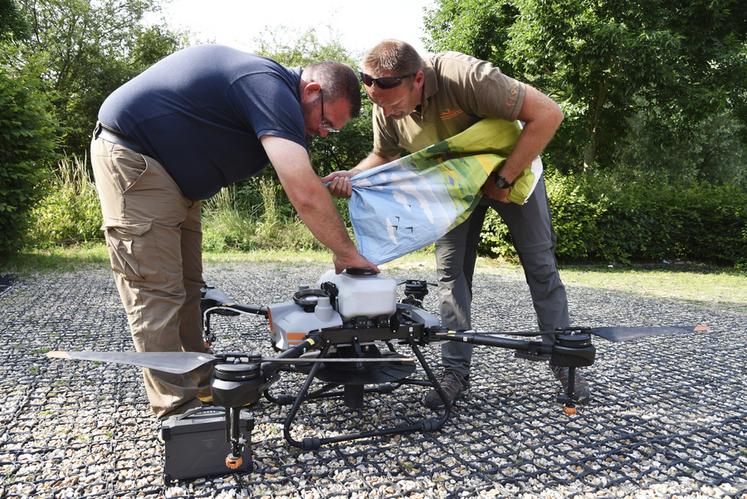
{"x": 289, "y": 322}
{"x": 363, "y": 295}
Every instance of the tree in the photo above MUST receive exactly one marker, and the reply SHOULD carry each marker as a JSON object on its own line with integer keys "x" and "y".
{"x": 89, "y": 49}
{"x": 27, "y": 145}
{"x": 476, "y": 27}
{"x": 622, "y": 70}
{"x": 12, "y": 24}
{"x": 697, "y": 122}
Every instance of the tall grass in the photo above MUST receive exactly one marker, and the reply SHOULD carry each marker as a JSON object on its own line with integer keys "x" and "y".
{"x": 69, "y": 212}
{"x": 227, "y": 227}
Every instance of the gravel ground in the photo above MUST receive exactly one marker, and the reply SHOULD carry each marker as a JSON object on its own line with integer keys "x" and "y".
{"x": 667, "y": 417}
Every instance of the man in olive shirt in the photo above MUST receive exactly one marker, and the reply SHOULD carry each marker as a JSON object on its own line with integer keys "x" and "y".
{"x": 418, "y": 103}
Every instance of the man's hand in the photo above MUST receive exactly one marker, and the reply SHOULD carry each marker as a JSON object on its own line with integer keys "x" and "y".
{"x": 492, "y": 191}
{"x": 355, "y": 261}
{"x": 340, "y": 185}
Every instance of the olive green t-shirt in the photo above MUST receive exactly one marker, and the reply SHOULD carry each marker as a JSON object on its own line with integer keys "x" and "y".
{"x": 459, "y": 91}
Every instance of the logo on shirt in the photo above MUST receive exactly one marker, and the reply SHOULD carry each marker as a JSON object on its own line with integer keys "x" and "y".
{"x": 450, "y": 114}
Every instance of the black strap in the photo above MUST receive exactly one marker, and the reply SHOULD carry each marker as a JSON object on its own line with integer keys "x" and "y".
{"x": 103, "y": 132}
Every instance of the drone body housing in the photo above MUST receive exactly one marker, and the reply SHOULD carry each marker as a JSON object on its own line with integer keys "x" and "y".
{"x": 338, "y": 299}
{"x": 290, "y": 322}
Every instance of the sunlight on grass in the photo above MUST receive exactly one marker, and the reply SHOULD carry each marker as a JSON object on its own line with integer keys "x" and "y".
{"x": 715, "y": 287}
{"x": 56, "y": 259}
{"x": 700, "y": 284}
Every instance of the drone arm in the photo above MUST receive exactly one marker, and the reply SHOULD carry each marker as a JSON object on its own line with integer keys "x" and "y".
{"x": 269, "y": 369}
{"x": 568, "y": 350}
{"x": 227, "y": 309}
{"x": 249, "y": 309}
{"x": 494, "y": 341}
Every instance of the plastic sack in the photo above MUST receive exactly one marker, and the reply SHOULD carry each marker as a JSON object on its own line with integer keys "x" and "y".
{"x": 411, "y": 202}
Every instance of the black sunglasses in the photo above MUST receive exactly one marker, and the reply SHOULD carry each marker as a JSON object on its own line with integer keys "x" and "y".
{"x": 384, "y": 82}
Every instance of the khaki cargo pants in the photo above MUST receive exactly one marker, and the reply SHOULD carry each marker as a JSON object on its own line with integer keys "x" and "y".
{"x": 153, "y": 237}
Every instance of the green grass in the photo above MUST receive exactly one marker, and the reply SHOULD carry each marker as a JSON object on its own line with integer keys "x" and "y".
{"x": 704, "y": 286}
{"x": 58, "y": 259}
{"x": 701, "y": 284}
{"x": 696, "y": 283}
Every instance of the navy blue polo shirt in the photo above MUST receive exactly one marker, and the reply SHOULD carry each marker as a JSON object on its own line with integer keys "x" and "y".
{"x": 201, "y": 111}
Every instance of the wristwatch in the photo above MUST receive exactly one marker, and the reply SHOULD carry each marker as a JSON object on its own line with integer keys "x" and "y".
{"x": 501, "y": 182}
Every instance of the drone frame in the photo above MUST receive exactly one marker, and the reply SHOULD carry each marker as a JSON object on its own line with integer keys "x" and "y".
{"x": 241, "y": 379}
{"x": 572, "y": 348}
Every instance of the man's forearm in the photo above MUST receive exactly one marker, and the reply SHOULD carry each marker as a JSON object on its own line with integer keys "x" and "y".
{"x": 371, "y": 161}
{"x": 307, "y": 194}
{"x": 530, "y": 144}
{"x": 542, "y": 117}
{"x": 318, "y": 212}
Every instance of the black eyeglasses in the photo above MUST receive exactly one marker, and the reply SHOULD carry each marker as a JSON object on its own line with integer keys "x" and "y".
{"x": 384, "y": 82}
{"x": 325, "y": 124}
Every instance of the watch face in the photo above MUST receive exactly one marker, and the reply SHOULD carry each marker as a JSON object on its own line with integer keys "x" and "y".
{"x": 501, "y": 182}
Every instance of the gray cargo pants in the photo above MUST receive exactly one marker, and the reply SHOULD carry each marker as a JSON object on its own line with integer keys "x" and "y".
{"x": 533, "y": 237}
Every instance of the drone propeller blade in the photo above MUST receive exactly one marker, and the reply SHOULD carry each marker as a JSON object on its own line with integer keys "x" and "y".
{"x": 619, "y": 333}
{"x": 170, "y": 362}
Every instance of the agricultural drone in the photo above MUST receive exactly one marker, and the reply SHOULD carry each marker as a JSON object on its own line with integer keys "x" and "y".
{"x": 345, "y": 332}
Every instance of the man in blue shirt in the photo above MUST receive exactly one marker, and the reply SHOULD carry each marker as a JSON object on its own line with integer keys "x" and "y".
{"x": 196, "y": 121}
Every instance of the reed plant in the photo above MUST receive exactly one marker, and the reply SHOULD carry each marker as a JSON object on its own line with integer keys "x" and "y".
{"x": 227, "y": 226}
{"x": 69, "y": 212}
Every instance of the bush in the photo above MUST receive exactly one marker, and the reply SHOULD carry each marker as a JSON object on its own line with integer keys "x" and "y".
{"x": 574, "y": 216}
{"x": 224, "y": 226}
{"x": 27, "y": 144}
{"x": 601, "y": 219}
{"x": 70, "y": 212}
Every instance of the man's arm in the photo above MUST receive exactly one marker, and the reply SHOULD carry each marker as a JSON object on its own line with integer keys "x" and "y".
{"x": 340, "y": 185}
{"x": 542, "y": 117}
{"x": 312, "y": 201}
{"x": 372, "y": 161}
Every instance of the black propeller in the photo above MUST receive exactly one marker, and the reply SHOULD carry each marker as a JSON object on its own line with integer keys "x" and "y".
{"x": 612, "y": 333}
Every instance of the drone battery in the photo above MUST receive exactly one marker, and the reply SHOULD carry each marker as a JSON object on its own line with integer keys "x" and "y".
{"x": 196, "y": 446}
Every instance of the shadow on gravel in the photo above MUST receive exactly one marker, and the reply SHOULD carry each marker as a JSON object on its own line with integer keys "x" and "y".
{"x": 6, "y": 281}
{"x": 666, "y": 417}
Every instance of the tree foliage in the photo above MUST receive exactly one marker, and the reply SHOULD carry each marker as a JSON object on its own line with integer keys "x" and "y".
{"x": 59, "y": 59}
{"x": 12, "y": 24}
{"x": 27, "y": 145}
{"x": 639, "y": 81}
{"x": 90, "y": 48}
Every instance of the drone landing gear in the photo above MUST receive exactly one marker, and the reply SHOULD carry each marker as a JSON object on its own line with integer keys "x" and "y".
{"x": 234, "y": 386}
{"x": 566, "y": 344}
{"x": 353, "y": 378}
{"x": 569, "y": 398}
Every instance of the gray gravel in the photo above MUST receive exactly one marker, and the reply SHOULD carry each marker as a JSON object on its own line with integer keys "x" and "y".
{"x": 667, "y": 417}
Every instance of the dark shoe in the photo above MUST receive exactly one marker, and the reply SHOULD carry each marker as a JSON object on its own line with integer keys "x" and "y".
{"x": 581, "y": 387}
{"x": 454, "y": 386}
